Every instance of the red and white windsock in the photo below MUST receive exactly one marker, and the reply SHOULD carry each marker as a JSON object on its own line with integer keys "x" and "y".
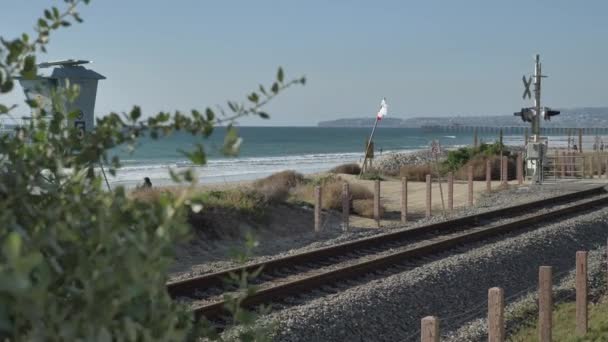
{"x": 383, "y": 109}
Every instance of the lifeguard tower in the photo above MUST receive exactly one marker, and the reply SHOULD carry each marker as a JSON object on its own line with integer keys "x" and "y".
{"x": 67, "y": 71}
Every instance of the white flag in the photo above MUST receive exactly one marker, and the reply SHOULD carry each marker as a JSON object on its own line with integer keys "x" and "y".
{"x": 383, "y": 109}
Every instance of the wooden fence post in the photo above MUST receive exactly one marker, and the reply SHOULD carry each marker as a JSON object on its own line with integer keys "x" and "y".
{"x": 520, "y": 169}
{"x": 581, "y": 293}
{"x": 599, "y": 166}
{"x": 404, "y": 200}
{"x": 563, "y": 166}
{"x": 429, "y": 329}
{"x": 470, "y": 183}
{"x": 505, "y": 172}
{"x": 555, "y": 162}
{"x": 377, "y": 201}
{"x": 345, "y": 206}
{"x": 450, "y": 191}
{"x": 545, "y": 303}
{"x": 428, "y": 196}
{"x": 318, "y": 205}
{"x": 488, "y": 175}
{"x": 580, "y": 140}
{"x": 496, "y": 307}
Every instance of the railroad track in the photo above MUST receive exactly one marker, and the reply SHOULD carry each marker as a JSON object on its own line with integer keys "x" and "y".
{"x": 316, "y": 269}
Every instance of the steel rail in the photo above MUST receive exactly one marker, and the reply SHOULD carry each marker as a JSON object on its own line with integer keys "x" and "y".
{"x": 275, "y": 292}
{"x": 217, "y": 279}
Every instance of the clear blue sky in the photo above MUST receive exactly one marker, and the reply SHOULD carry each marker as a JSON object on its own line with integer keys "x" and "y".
{"x": 427, "y": 57}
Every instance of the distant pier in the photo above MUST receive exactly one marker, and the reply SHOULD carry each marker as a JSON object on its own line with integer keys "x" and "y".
{"x": 514, "y": 130}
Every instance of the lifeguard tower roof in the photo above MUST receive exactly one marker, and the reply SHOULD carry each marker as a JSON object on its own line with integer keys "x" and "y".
{"x": 72, "y": 69}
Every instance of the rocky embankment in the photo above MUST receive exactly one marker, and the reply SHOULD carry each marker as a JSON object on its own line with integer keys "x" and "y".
{"x": 392, "y": 162}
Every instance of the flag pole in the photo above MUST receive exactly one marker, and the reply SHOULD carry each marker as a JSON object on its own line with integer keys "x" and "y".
{"x": 367, "y": 148}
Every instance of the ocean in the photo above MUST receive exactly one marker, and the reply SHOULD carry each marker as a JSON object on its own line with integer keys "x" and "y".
{"x": 266, "y": 150}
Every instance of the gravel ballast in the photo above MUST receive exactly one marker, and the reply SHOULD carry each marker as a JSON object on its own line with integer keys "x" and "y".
{"x": 454, "y": 288}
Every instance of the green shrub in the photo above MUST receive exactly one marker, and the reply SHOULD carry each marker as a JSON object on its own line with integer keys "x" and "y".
{"x": 78, "y": 262}
{"x": 456, "y": 159}
{"x": 372, "y": 174}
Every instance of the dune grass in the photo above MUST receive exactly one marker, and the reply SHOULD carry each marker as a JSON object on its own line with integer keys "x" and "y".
{"x": 564, "y": 325}
{"x": 349, "y": 169}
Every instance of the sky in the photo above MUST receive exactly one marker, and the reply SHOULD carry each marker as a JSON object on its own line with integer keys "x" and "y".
{"x": 428, "y": 58}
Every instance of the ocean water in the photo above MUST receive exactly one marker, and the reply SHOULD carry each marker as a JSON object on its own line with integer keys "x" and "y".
{"x": 266, "y": 150}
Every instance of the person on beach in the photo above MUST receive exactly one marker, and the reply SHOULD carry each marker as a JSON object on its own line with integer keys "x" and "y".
{"x": 147, "y": 183}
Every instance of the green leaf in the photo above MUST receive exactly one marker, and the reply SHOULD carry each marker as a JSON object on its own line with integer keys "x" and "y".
{"x": 210, "y": 114}
{"x": 12, "y": 246}
{"x": 303, "y": 80}
{"x": 198, "y": 156}
{"x": 135, "y": 113}
{"x": 3, "y": 109}
{"x": 6, "y": 86}
{"x": 264, "y": 115}
{"x": 233, "y": 106}
{"x": 56, "y": 13}
{"x": 253, "y": 98}
{"x": 275, "y": 88}
{"x": 47, "y": 14}
{"x": 280, "y": 75}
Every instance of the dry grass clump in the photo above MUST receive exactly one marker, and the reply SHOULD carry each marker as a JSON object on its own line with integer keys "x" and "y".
{"x": 242, "y": 201}
{"x": 349, "y": 169}
{"x": 331, "y": 194}
{"x": 479, "y": 168}
{"x": 365, "y": 207}
{"x": 276, "y": 187}
{"x": 416, "y": 173}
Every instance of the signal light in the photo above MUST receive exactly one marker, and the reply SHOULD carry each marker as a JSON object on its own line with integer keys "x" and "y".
{"x": 548, "y": 113}
{"x": 526, "y": 114}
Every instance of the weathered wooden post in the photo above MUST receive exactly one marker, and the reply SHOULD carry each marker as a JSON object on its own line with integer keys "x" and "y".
{"x": 470, "y": 183}
{"x": 318, "y": 205}
{"x": 581, "y": 293}
{"x": 580, "y": 140}
{"x": 345, "y": 206}
{"x": 404, "y": 200}
{"x": 545, "y": 303}
{"x": 496, "y": 307}
{"x": 429, "y": 329}
{"x": 488, "y": 175}
{"x": 505, "y": 172}
{"x": 555, "y": 166}
{"x": 377, "y": 201}
{"x": 563, "y": 166}
{"x": 599, "y": 166}
{"x": 584, "y": 167}
{"x": 428, "y": 196}
{"x": 520, "y": 169}
{"x": 450, "y": 191}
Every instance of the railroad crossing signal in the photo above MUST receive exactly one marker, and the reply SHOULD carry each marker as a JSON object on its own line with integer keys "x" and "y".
{"x": 527, "y": 83}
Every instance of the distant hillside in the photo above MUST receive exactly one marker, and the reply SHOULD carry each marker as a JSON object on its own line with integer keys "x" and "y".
{"x": 569, "y": 117}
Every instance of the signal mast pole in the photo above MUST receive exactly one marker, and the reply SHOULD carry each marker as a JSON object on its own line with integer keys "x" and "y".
{"x": 537, "y": 108}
